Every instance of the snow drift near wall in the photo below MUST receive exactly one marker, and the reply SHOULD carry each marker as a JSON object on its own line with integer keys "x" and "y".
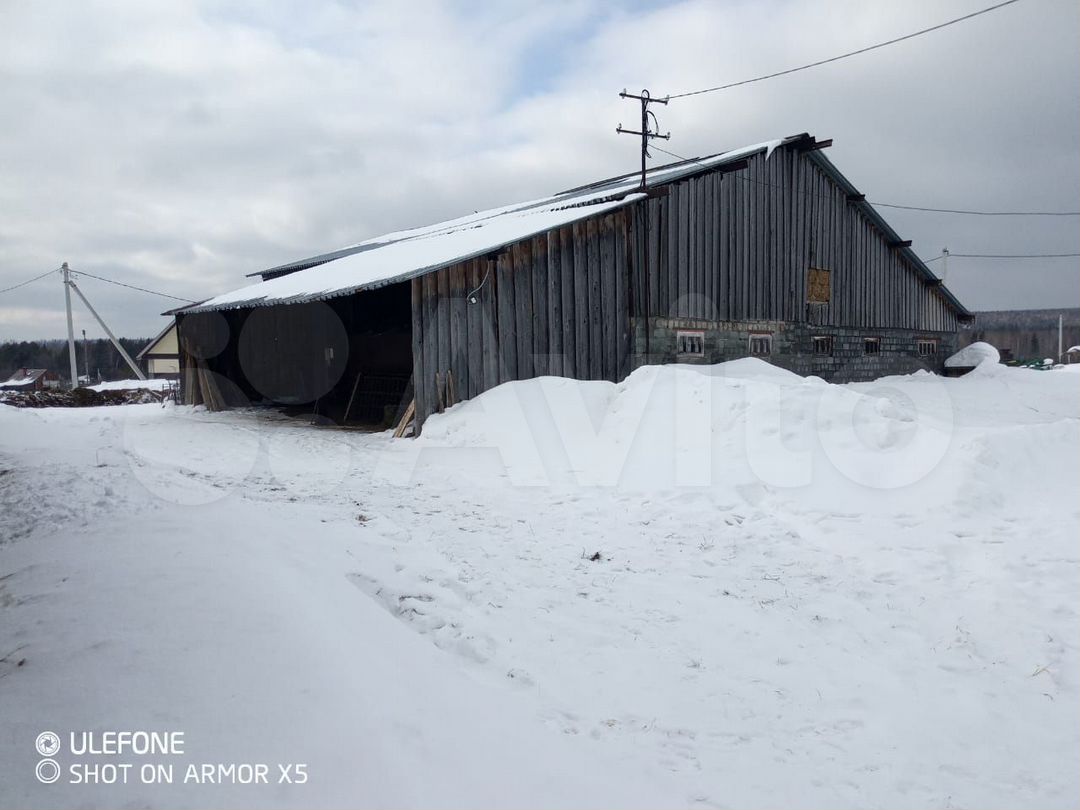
{"x": 743, "y": 429}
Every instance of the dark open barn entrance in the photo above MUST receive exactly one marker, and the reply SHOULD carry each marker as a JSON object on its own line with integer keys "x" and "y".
{"x": 347, "y": 359}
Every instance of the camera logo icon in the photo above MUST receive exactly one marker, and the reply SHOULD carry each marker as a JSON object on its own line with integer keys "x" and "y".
{"x": 47, "y": 743}
{"x": 48, "y": 771}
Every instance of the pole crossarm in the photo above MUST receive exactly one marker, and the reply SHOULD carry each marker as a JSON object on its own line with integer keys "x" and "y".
{"x": 645, "y": 133}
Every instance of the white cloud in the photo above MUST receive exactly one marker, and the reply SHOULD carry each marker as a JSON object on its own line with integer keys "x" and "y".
{"x": 180, "y": 145}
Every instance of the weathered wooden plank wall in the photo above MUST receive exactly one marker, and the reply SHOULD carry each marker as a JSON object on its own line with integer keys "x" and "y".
{"x": 738, "y": 246}
{"x": 558, "y": 303}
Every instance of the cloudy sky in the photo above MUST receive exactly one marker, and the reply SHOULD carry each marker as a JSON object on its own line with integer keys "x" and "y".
{"x": 180, "y": 145}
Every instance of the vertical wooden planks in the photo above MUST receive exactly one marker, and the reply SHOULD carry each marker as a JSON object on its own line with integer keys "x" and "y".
{"x": 625, "y": 269}
{"x": 487, "y": 302}
{"x": 416, "y": 290}
{"x": 596, "y": 357}
{"x": 474, "y": 315}
{"x": 709, "y": 234}
{"x": 798, "y": 237}
{"x": 554, "y": 303}
{"x": 508, "y": 364}
{"x": 723, "y": 245}
{"x": 671, "y": 236}
{"x": 566, "y": 274}
{"x": 581, "y": 302}
{"x": 746, "y": 212}
{"x": 765, "y": 234}
{"x": 458, "y": 361}
{"x": 523, "y": 308}
{"x": 607, "y": 314}
{"x": 682, "y": 287}
{"x": 757, "y": 226}
{"x": 701, "y": 239}
{"x": 541, "y": 336}
{"x": 693, "y": 211}
{"x": 787, "y": 279}
{"x": 430, "y": 293}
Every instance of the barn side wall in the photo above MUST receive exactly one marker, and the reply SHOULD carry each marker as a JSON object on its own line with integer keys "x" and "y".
{"x": 556, "y": 304}
{"x": 730, "y": 252}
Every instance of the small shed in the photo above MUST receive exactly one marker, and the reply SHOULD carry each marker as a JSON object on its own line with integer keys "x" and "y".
{"x": 31, "y": 379}
{"x": 162, "y": 354}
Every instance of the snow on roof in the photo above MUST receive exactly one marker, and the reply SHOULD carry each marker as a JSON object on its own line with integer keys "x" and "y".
{"x": 971, "y": 356}
{"x": 24, "y": 376}
{"x": 406, "y": 254}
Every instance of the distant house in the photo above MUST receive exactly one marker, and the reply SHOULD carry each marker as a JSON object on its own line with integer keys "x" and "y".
{"x": 31, "y": 379}
{"x": 766, "y": 251}
{"x": 162, "y": 354}
{"x": 1022, "y": 335}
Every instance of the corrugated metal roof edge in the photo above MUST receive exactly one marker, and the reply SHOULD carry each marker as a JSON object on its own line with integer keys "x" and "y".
{"x": 830, "y": 168}
{"x": 308, "y": 262}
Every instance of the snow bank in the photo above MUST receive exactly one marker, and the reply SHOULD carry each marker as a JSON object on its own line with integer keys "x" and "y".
{"x": 974, "y": 355}
{"x": 743, "y": 427}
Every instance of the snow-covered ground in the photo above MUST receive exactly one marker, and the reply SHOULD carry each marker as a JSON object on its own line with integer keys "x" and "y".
{"x": 705, "y": 586}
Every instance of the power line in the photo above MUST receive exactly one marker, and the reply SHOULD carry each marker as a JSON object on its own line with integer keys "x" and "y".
{"x": 981, "y": 213}
{"x": 1005, "y": 256}
{"x": 133, "y": 287}
{"x": 845, "y": 55}
{"x": 29, "y": 281}
{"x": 885, "y": 205}
{"x": 925, "y": 261}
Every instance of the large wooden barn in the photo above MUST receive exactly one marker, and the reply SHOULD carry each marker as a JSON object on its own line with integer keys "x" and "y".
{"x": 767, "y": 250}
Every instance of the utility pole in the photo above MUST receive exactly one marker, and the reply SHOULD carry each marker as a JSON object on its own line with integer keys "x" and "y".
{"x": 71, "y": 328}
{"x": 70, "y": 285}
{"x": 1061, "y": 335}
{"x": 944, "y": 263}
{"x": 644, "y": 132}
{"x": 86, "y": 354}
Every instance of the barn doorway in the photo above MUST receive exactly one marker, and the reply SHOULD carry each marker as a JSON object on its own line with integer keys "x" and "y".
{"x": 375, "y": 384}
{"x": 345, "y": 360}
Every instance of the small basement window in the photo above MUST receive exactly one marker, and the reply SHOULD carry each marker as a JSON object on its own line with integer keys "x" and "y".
{"x": 872, "y": 345}
{"x": 823, "y": 345}
{"x": 927, "y": 347}
{"x": 760, "y": 345}
{"x": 690, "y": 342}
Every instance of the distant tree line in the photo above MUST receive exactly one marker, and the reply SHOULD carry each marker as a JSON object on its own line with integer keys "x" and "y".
{"x": 104, "y": 361}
